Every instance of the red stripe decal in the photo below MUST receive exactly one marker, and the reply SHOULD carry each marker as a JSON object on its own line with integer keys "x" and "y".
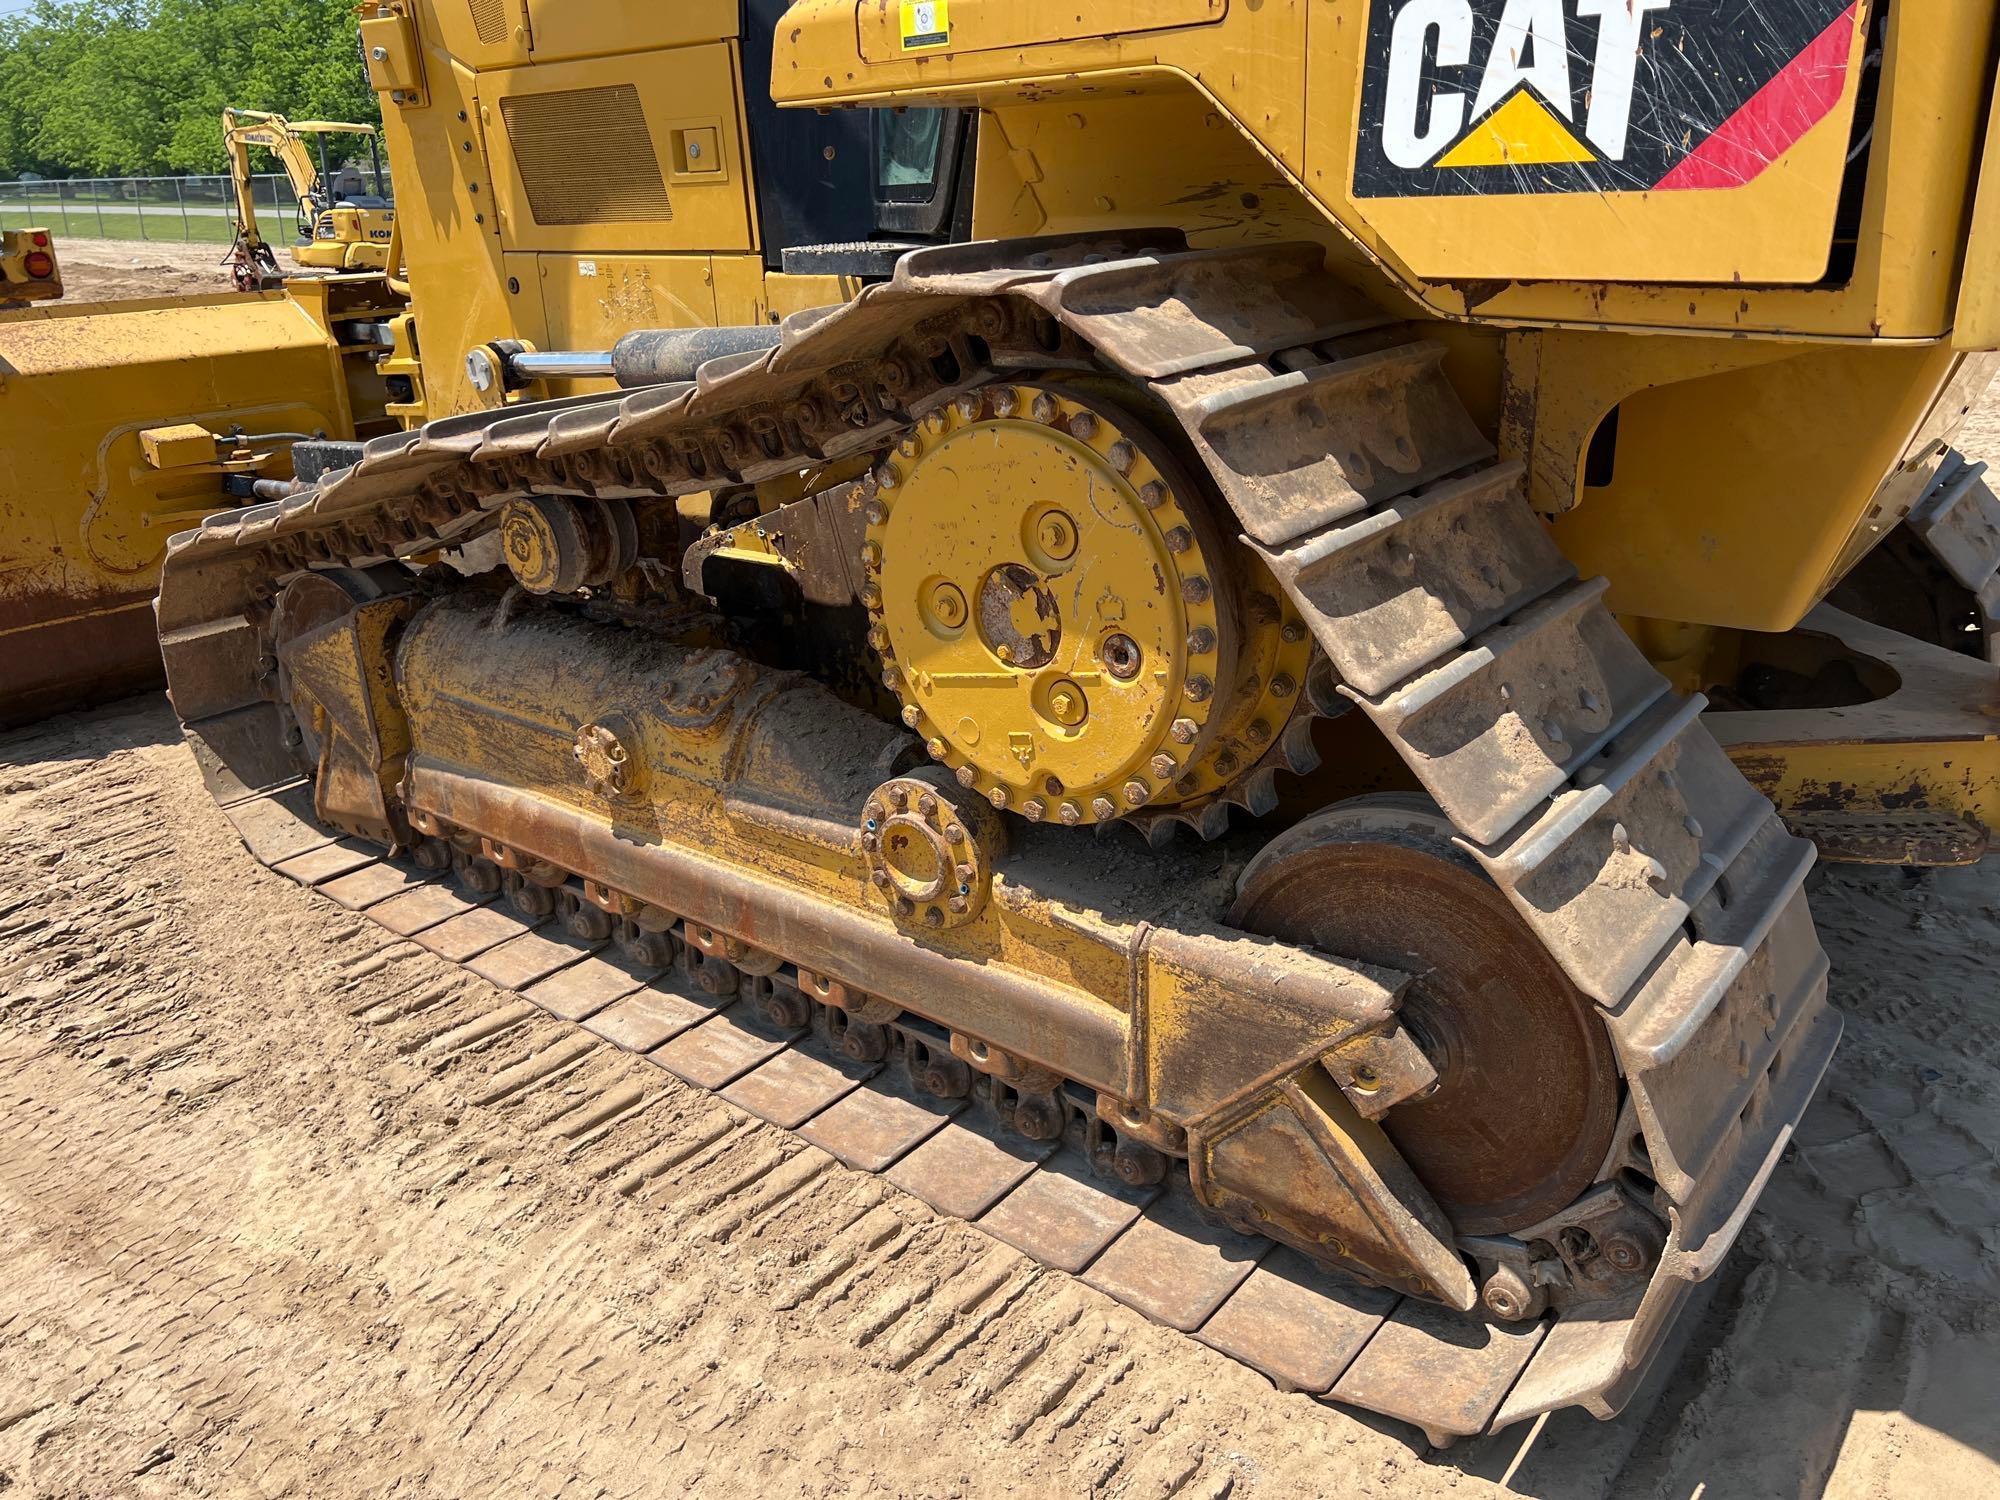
{"x": 1772, "y": 120}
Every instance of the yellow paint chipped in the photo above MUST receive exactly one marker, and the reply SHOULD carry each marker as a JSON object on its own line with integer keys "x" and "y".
{"x": 1522, "y": 132}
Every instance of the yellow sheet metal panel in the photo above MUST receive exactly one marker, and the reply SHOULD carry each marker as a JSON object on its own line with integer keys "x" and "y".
{"x": 84, "y": 517}
{"x": 588, "y": 302}
{"x": 1977, "y": 325}
{"x": 595, "y": 159}
{"x": 395, "y": 61}
{"x": 587, "y": 28}
{"x": 891, "y": 29}
{"x": 481, "y": 33}
{"x": 1249, "y": 70}
{"x": 1935, "y": 77}
{"x": 451, "y": 242}
{"x": 1732, "y": 496}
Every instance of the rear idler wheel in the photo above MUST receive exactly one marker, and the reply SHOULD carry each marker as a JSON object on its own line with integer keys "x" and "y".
{"x": 1522, "y": 1117}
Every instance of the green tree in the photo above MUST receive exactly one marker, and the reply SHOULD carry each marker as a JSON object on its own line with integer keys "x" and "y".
{"x": 133, "y": 87}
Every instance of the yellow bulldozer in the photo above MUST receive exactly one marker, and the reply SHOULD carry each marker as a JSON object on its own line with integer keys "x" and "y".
{"x": 1224, "y": 604}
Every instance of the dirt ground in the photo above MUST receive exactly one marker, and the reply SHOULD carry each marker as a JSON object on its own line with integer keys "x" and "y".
{"x": 284, "y": 1211}
{"x": 113, "y": 270}
{"x": 275, "y": 1221}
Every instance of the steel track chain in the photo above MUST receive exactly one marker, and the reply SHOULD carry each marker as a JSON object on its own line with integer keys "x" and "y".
{"x": 1661, "y": 882}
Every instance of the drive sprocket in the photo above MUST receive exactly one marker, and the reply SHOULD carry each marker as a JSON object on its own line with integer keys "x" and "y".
{"x": 1061, "y": 618}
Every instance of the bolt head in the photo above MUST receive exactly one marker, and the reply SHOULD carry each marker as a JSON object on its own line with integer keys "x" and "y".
{"x": 966, "y": 775}
{"x": 1056, "y": 535}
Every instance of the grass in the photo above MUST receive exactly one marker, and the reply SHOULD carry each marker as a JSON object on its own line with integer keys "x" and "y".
{"x": 110, "y": 223}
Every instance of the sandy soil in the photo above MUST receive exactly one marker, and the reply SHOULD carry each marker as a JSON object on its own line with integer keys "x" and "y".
{"x": 278, "y": 1219}
{"x": 112, "y": 270}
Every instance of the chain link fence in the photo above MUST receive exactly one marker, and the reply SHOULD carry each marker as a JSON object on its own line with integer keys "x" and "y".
{"x": 181, "y": 210}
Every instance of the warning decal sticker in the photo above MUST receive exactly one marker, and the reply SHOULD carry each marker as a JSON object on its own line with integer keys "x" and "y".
{"x": 1476, "y": 97}
{"x": 926, "y": 24}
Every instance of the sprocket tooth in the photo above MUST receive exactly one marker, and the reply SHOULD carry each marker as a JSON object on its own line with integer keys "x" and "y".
{"x": 1258, "y": 793}
{"x": 1295, "y": 745}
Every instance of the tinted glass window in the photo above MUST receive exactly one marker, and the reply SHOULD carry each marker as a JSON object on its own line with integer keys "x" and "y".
{"x": 906, "y": 154}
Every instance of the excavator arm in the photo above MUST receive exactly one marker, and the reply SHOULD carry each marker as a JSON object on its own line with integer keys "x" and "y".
{"x": 254, "y": 262}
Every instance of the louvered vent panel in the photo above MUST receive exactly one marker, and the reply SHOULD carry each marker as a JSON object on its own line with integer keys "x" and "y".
{"x": 586, "y": 157}
{"x": 489, "y": 19}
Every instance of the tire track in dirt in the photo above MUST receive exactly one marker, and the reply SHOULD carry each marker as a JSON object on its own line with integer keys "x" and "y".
{"x": 291, "y": 1207}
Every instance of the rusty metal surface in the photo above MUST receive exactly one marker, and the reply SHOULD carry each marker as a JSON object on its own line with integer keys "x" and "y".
{"x": 318, "y": 866}
{"x": 966, "y": 1167}
{"x": 519, "y": 962}
{"x": 1174, "y": 1267}
{"x": 464, "y": 937}
{"x": 653, "y": 1016}
{"x": 1444, "y": 1374}
{"x": 1065, "y": 1215}
{"x": 871, "y": 1129}
{"x": 1297, "y": 1324}
{"x": 585, "y": 988}
{"x": 1522, "y": 1052}
{"x": 724, "y": 1047}
{"x": 371, "y": 885}
{"x": 800, "y": 1082}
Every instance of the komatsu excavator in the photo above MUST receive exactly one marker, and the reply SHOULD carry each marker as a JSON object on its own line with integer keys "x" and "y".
{"x": 346, "y": 223}
{"x": 1229, "y": 617}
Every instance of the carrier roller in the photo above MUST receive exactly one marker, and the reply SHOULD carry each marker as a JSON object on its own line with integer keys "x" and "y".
{"x": 1286, "y": 1037}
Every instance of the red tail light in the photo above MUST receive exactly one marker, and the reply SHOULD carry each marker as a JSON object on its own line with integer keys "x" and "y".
{"x": 41, "y": 240}
{"x": 39, "y": 264}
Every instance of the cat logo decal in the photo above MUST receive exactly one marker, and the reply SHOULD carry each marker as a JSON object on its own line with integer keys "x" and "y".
{"x": 1476, "y": 97}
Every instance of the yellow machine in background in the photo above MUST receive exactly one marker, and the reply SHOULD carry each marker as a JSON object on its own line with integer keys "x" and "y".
{"x": 1383, "y": 463}
{"x": 346, "y": 222}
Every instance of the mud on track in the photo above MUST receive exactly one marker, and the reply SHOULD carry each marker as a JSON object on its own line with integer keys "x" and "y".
{"x": 269, "y": 1225}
